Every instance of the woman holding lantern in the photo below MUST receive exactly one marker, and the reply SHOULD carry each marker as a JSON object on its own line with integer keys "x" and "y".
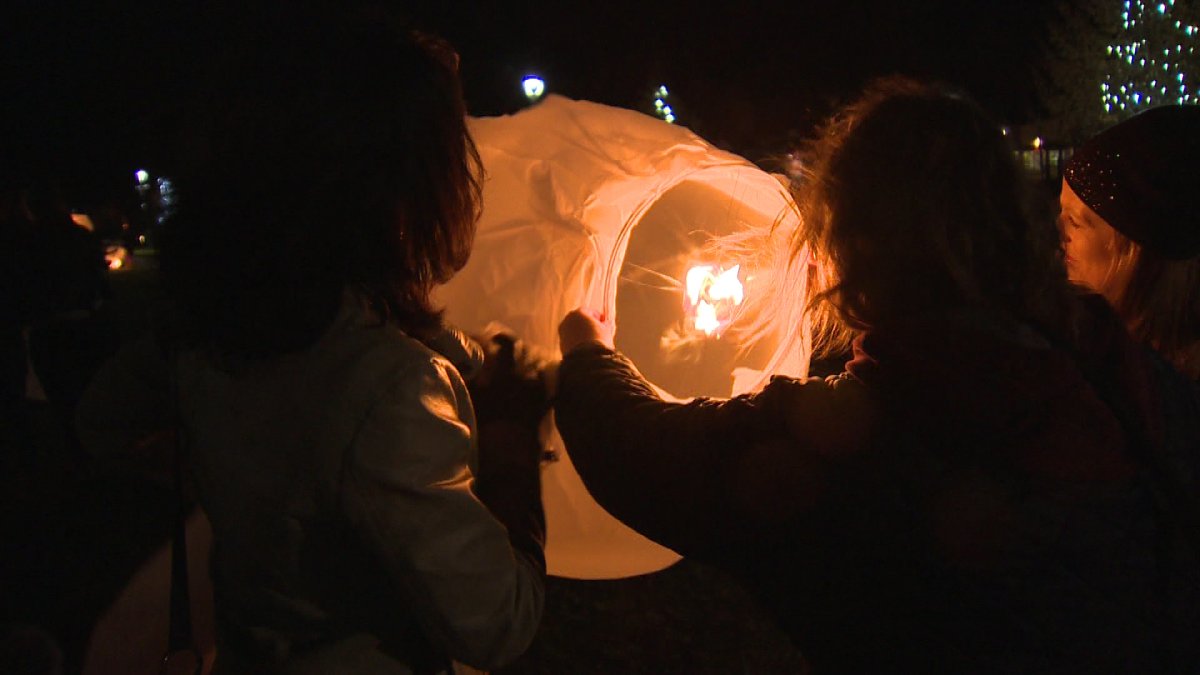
{"x": 986, "y": 486}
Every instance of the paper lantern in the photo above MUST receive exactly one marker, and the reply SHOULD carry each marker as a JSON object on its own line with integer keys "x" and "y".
{"x": 589, "y": 205}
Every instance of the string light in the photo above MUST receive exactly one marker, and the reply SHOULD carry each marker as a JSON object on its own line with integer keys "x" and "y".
{"x": 662, "y": 107}
{"x": 1135, "y": 65}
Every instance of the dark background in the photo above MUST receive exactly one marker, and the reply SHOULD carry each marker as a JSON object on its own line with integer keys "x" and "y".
{"x": 92, "y": 89}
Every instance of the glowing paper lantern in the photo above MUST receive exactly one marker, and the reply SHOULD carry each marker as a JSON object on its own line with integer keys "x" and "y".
{"x": 590, "y": 205}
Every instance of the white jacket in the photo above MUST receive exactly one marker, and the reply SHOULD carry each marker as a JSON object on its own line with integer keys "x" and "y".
{"x": 339, "y": 485}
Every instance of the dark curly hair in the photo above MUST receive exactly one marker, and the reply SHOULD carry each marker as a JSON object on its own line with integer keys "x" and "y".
{"x": 328, "y": 154}
{"x": 913, "y": 202}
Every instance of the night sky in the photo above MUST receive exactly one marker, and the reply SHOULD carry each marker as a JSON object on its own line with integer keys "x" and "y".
{"x": 90, "y": 88}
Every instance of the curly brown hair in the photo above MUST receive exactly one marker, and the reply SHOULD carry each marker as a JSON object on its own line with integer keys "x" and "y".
{"x": 913, "y": 202}
{"x": 325, "y": 155}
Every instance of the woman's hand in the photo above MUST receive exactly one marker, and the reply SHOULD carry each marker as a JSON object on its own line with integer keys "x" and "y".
{"x": 583, "y": 326}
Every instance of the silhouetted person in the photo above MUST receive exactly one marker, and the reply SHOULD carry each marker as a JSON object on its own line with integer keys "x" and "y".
{"x": 70, "y": 334}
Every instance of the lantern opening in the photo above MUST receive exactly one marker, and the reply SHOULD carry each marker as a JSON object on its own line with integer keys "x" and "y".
{"x": 693, "y": 277}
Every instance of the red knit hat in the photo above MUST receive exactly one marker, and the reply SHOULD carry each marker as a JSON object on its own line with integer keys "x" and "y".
{"x": 1143, "y": 177}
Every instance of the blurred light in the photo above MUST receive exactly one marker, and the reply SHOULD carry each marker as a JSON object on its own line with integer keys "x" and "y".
{"x": 669, "y": 118}
{"x": 142, "y": 176}
{"x": 115, "y": 256}
{"x": 658, "y": 104}
{"x": 83, "y": 220}
{"x": 662, "y": 90}
{"x": 141, "y": 239}
{"x": 534, "y": 87}
{"x": 1037, "y": 143}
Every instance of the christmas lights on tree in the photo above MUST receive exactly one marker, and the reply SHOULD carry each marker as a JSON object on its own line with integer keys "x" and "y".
{"x": 662, "y": 104}
{"x": 1152, "y": 61}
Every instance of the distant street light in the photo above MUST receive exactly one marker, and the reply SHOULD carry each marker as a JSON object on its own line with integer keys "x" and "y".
{"x": 142, "y": 176}
{"x": 534, "y": 87}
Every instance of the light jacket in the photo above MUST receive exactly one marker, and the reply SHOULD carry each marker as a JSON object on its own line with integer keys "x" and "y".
{"x": 339, "y": 480}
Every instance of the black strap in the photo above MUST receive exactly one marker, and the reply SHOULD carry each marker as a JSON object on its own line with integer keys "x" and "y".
{"x": 181, "y": 647}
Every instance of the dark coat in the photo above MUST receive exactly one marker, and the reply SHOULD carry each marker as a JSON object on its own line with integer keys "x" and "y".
{"x": 962, "y": 499}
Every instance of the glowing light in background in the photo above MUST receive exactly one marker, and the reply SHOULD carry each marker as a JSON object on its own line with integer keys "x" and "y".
{"x": 116, "y": 256}
{"x": 533, "y": 86}
{"x": 1148, "y": 28}
{"x": 712, "y": 297}
{"x": 83, "y": 220}
{"x": 142, "y": 176}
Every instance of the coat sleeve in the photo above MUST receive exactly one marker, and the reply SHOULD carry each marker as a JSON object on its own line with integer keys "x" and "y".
{"x": 408, "y": 489}
{"x": 709, "y": 477}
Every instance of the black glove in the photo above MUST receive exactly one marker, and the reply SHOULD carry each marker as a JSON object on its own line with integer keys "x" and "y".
{"x": 510, "y": 386}
{"x": 510, "y": 400}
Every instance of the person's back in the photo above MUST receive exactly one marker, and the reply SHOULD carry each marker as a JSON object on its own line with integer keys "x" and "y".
{"x": 994, "y": 518}
{"x": 962, "y": 499}
{"x": 343, "y": 515}
{"x": 982, "y": 490}
{"x": 355, "y": 526}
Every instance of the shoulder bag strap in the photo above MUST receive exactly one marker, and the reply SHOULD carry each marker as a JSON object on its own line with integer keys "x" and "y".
{"x": 182, "y": 656}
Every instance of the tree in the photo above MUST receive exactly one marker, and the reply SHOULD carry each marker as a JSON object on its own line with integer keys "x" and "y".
{"x": 1106, "y": 60}
{"x": 1153, "y": 61}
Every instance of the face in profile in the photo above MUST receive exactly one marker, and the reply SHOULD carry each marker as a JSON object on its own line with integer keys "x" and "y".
{"x": 1091, "y": 247}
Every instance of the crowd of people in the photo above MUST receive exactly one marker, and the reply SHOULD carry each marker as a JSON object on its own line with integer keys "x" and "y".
{"x": 1004, "y": 477}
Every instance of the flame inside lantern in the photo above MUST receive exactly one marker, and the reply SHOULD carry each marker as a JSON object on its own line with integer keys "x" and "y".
{"x": 712, "y": 297}
{"x": 116, "y": 256}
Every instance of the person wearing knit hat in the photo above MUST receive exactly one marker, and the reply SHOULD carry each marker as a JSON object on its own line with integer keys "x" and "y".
{"x": 1131, "y": 227}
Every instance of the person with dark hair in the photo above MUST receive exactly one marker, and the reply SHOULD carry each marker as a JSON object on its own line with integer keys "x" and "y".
{"x": 1131, "y": 227}
{"x": 980, "y": 491}
{"x": 330, "y": 184}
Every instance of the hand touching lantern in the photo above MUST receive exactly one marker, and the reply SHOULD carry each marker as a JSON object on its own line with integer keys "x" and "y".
{"x": 582, "y": 326}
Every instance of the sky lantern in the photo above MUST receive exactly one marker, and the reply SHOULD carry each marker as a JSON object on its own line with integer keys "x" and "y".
{"x": 676, "y": 240}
